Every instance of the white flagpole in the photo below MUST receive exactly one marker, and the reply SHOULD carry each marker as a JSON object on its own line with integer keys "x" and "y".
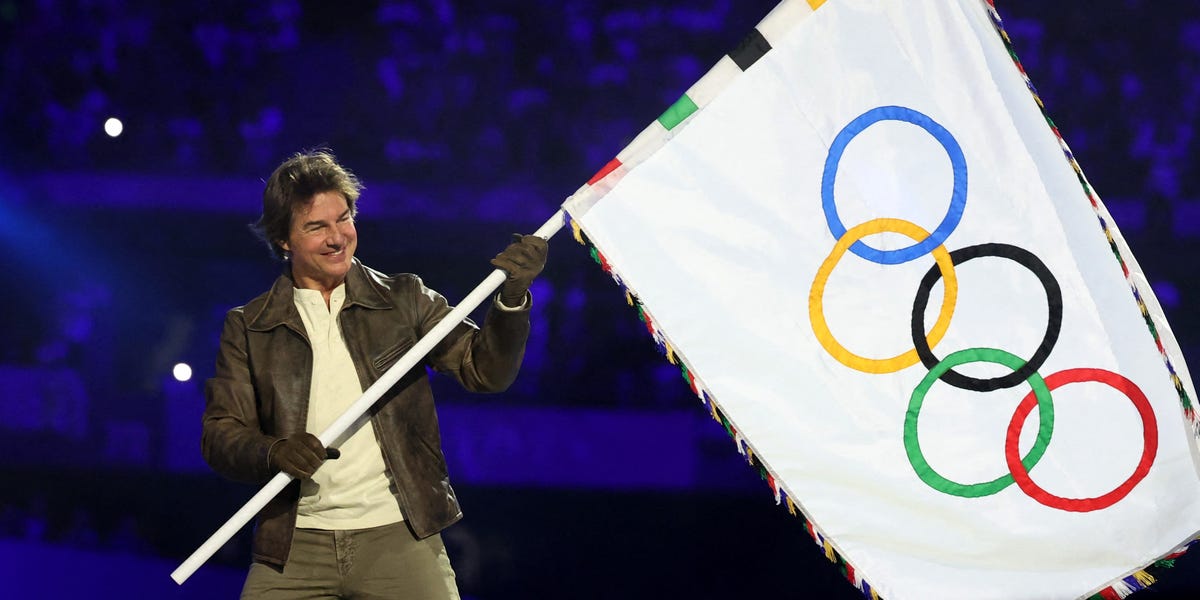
{"x": 349, "y": 421}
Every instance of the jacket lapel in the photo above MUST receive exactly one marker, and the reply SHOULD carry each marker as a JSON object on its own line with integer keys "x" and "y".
{"x": 276, "y": 308}
{"x": 362, "y": 290}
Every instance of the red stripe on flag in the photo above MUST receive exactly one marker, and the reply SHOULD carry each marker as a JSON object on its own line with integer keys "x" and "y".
{"x": 604, "y": 266}
{"x": 609, "y": 168}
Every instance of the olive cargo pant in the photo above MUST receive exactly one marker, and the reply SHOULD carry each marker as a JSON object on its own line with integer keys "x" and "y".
{"x": 376, "y": 563}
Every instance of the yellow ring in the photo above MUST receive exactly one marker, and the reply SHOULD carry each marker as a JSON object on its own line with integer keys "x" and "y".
{"x": 816, "y": 308}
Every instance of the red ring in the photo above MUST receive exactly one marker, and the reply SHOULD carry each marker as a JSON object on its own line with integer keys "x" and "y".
{"x": 1149, "y": 441}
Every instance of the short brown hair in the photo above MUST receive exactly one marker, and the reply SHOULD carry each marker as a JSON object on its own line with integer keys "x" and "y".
{"x": 294, "y": 183}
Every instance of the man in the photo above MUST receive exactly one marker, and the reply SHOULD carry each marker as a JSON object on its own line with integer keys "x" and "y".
{"x": 291, "y": 360}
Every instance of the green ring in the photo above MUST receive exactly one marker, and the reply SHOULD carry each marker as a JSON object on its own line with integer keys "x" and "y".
{"x": 913, "y": 447}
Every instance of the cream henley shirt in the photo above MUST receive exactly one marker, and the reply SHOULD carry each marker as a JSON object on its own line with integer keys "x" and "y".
{"x": 351, "y": 492}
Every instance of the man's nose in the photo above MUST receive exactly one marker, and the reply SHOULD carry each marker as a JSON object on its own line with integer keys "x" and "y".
{"x": 336, "y": 238}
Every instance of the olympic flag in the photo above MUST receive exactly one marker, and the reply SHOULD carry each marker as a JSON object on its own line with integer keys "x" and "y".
{"x": 882, "y": 270}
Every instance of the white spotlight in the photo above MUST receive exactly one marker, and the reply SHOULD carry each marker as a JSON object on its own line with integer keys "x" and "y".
{"x": 113, "y": 127}
{"x": 182, "y": 372}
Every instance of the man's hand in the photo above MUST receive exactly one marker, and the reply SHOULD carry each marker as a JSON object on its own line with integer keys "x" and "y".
{"x": 300, "y": 455}
{"x": 523, "y": 259}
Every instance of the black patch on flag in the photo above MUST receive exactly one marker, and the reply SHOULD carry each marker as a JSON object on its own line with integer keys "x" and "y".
{"x": 751, "y": 48}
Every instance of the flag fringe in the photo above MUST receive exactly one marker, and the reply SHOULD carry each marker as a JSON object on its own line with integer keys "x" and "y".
{"x": 1141, "y": 578}
{"x": 1185, "y": 401}
{"x": 753, "y": 458}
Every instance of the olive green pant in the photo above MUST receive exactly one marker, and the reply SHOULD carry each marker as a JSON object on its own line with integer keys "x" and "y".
{"x": 376, "y": 563}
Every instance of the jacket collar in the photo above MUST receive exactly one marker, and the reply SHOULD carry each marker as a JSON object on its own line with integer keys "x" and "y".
{"x": 277, "y": 307}
{"x": 363, "y": 289}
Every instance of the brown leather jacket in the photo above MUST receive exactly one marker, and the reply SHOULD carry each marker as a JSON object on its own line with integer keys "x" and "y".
{"x": 264, "y": 370}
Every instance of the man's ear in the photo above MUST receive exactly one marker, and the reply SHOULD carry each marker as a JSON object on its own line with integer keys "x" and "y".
{"x": 283, "y": 244}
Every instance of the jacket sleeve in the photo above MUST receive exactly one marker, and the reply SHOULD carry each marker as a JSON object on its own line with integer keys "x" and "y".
{"x": 483, "y": 359}
{"x": 233, "y": 443}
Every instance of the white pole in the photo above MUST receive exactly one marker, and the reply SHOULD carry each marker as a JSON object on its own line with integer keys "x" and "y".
{"x": 350, "y": 418}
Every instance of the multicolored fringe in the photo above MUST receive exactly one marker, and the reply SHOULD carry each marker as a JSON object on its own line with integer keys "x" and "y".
{"x": 1184, "y": 400}
{"x": 782, "y": 496}
{"x": 1142, "y": 578}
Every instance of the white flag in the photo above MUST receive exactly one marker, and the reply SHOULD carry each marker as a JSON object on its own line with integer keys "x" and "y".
{"x": 882, "y": 268}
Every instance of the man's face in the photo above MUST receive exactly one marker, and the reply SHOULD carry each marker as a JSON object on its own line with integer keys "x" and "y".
{"x": 322, "y": 241}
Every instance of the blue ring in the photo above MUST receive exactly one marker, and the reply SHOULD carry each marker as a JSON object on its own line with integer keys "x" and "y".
{"x": 958, "y": 198}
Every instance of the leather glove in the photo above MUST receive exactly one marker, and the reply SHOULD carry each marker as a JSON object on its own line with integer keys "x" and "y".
{"x": 523, "y": 259}
{"x": 300, "y": 455}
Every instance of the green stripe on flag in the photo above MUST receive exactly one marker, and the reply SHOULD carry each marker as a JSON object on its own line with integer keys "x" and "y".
{"x": 682, "y": 109}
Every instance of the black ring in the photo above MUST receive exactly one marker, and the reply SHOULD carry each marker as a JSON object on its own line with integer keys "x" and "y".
{"x": 1022, "y": 257}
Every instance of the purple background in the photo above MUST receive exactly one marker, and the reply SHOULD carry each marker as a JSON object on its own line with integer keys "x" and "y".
{"x": 599, "y": 474}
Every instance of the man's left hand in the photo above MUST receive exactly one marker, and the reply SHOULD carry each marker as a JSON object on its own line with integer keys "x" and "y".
{"x": 523, "y": 259}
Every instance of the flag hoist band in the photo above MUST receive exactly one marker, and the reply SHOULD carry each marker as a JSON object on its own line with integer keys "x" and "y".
{"x": 943, "y": 369}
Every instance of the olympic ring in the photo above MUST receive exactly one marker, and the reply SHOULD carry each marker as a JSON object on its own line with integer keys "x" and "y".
{"x": 927, "y": 243}
{"x": 816, "y": 311}
{"x": 1040, "y": 395}
{"x": 1020, "y": 471}
{"x": 1022, "y": 257}
{"x": 958, "y": 197}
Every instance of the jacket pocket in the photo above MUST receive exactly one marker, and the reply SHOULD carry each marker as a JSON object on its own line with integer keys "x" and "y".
{"x": 388, "y": 357}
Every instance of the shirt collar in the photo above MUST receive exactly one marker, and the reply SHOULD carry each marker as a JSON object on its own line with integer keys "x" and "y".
{"x": 278, "y": 308}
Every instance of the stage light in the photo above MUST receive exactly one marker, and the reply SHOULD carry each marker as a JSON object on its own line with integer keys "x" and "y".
{"x": 113, "y": 127}
{"x": 182, "y": 372}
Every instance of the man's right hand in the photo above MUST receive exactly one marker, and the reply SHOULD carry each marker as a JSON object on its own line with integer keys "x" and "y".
{"x": 300, "y": 455}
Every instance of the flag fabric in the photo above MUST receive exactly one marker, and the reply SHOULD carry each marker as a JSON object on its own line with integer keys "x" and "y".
{"x": 881, "y": 269}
